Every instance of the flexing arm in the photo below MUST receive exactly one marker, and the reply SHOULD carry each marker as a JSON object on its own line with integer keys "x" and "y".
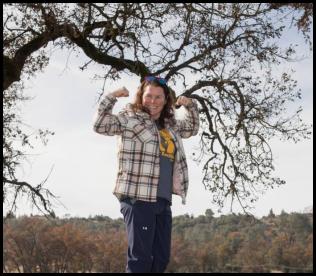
{"x": 189, "y": 126}
{"x": 104, "y": 121}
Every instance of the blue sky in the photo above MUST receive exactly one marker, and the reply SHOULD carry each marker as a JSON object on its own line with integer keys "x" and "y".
{"x": 84, "y": 162}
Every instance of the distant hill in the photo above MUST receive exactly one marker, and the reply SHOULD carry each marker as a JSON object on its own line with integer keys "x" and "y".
{"x": 229, "y": 243}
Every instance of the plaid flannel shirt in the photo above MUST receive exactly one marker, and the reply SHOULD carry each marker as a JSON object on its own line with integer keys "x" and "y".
{"x": 138, "y": 149}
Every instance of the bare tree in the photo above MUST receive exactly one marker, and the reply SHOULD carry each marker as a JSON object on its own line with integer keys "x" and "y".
{"x": 16, "y": 141}
{"x": 227, "y": 49}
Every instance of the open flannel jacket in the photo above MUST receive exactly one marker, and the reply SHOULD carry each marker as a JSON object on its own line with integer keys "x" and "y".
{"x": 138, "y": 149}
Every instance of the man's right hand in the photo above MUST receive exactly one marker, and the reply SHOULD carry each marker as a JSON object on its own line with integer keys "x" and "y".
{"x": 121, "y": 92}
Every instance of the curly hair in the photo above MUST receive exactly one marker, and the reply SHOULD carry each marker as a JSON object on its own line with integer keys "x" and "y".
{"x": 167, "y": 111}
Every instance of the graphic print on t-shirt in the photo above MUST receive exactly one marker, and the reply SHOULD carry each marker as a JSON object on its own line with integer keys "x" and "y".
{"x": 167, "y": 147}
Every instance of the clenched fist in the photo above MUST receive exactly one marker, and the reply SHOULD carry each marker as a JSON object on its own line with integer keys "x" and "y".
{"x": 183, "y": 100}
{"x": 121, "y": 92}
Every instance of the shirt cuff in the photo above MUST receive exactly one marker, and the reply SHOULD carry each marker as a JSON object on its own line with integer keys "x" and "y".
{"x": 110, "y": 97}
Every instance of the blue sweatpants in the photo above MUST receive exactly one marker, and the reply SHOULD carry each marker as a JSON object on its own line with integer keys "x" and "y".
{"x": 148, "y": 226}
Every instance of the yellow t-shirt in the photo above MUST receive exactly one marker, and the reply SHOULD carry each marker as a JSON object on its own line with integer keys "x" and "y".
{"x": 167, "y": 146}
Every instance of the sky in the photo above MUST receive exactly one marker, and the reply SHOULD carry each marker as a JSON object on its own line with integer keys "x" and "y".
{"x": 84, "y": 162}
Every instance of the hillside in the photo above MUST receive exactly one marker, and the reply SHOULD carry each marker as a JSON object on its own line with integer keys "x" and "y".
{"x": 229, "y": 243}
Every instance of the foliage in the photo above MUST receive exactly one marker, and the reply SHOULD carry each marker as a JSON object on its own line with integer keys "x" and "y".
{"x": 232, "y": 243}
